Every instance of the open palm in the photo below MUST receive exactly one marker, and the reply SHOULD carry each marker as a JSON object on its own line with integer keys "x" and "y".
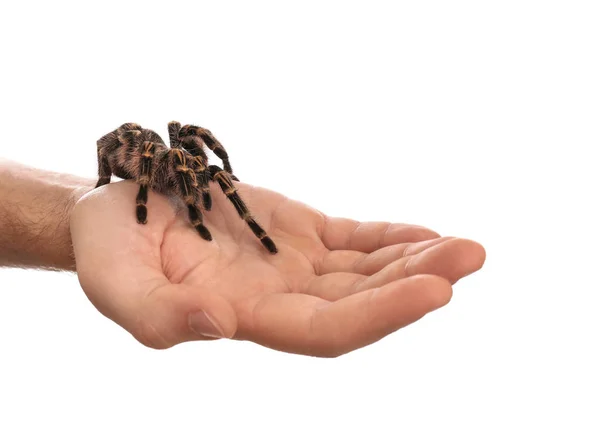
{"x": 335, "y": 285}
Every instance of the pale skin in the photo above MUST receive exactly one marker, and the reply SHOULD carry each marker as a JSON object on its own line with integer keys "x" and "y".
{"x": 336, "y": 285}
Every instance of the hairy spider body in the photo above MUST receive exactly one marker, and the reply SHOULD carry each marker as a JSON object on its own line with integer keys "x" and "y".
{"x": 131, "y": 152}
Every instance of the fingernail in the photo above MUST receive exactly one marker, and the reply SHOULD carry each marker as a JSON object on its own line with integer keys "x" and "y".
{"x": 202, "y": 324}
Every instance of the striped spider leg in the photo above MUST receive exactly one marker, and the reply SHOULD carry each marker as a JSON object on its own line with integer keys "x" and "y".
{"x": 184, "y": 165}
{"x": 200, "y": 158}
{"x": 194, "y": 137}
{"x": 224, "y": 180}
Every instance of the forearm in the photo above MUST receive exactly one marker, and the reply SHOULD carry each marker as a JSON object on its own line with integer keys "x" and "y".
{"x": 35, "y": 206}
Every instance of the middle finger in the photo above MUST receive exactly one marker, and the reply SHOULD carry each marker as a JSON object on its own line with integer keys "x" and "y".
{"x": 352, "y": 261}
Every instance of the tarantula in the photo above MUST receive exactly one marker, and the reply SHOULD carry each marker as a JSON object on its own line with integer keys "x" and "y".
{"x": 131, "y": 152}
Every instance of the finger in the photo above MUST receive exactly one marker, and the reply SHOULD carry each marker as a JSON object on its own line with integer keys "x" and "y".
{"x": 451, "y": 259}
{"x": 346, "y": 234}
{"x": 308, "y": 325}
{"x": 175, "y": 313}
{"x": 369, "y": 263}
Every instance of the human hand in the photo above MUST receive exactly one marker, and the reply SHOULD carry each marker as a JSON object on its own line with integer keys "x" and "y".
{"x": 336, "y": 285}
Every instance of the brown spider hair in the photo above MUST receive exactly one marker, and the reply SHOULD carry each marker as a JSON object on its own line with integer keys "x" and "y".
{"x": 132, "y": 152}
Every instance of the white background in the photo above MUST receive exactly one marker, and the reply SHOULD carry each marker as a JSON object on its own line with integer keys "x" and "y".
{"x": 477, "y": 119}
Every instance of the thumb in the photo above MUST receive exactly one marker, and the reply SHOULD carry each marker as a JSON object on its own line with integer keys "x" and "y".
{"x": 175, "y": 313}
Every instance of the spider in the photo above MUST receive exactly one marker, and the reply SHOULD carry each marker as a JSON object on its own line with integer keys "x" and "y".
{"x": 131, "y": 152}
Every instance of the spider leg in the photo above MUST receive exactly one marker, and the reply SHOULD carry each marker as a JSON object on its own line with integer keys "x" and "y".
{"x": 188, "y": 189}
{"x": 104, "y": 170}
{"x": 146, "y": 149}
{"x": 223, "y": 178}
{"x": 193, "y": 145}
{"x": 191, "y": 140}
{"x": 173, "y": 128}
{"x": 213, "y": 144}
{"x": 203, "y": 177}
{"x": 106, "y": 146}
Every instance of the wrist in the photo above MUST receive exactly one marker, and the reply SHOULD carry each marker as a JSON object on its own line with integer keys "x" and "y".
{"x": 60, "y": 254}
{"x": 35, "y": 208}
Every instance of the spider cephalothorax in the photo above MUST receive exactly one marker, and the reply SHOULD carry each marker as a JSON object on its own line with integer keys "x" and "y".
{"x": 131, "y": 152}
